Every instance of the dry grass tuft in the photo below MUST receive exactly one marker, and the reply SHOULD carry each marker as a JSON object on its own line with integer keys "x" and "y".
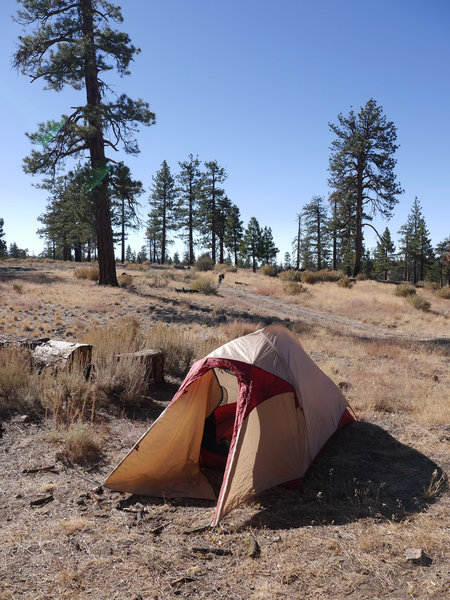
{"x": 294, "y": 288}
{"x": 91, "y": 273}
{"x": 205, "y": 285}
{"x": 345, "y": 282}
{"x": 419, "y": 302}
{"x": 125, "y": 280}
{"x": 443, "y": 292}
{"x": 290, "y": 275}
{"x": 269, "y": 270}
{"x": 19, "y": 384}
{"x": 182, "y": 346}
{"x": 204, "y": 263}
{"x": 237, "y": 328}
{"x": 404, "y": 290}
{"x": 79, "y": 443}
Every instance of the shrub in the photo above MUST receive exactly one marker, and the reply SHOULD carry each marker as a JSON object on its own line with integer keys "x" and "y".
{"x": 125, "y": 280}
{"x": 181, "y": 347}
{"x": 404, "y": 290}
{"x": 204, "y": 285}
{"x": 79, "y": 442}
{"x": 345, "y": 282}
{"x": 432, "y": 286}
{"x": 18, "y": 287}
{"x": 204, "y": 263}
{"x": 443, "y": 292}
{"x": 419, "y": 302}
{"x": 269, "y": 270}
{"x": 293, "y": 288}
{"x": 361, "y": 277}
{"x": 327, "y": 275}
{"x": 291, "y": 275}
{"x": 310, "y": 277}
{"x": 91, "y": 273}
{"x": 231, "y": 269}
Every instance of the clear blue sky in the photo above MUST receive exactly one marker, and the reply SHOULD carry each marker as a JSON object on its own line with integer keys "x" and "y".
{"x": 253, "y": 85}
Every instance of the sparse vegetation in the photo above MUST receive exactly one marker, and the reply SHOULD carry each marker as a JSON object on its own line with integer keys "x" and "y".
{"x": 419, "y": 302}
{"x": 204, "y": 263}
{"x": 290, "y": 275}
{"x": 91, "y": 273}
{"x": 363, "y": 500}
{"x": 204, "y": 285}
{"x": 345, "y": 282}
{"x": 294, "y": 288}
{"x": 443, "y": 292}
{"x": 269, "y": 270}
{"x": 404, "y": 290}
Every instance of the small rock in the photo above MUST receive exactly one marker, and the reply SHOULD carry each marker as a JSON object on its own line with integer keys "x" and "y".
{"x": 418, "y": 557}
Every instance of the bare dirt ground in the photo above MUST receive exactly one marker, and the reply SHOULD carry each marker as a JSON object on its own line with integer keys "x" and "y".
{"x": 372, "y": 494}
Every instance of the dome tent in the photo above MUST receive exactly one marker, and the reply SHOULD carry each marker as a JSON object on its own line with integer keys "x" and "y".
{"x": 272, "y": 408}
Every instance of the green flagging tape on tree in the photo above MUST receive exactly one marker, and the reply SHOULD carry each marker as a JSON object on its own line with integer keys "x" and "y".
{"x": 98, "y": 175}
{"x": 51, "y": 132}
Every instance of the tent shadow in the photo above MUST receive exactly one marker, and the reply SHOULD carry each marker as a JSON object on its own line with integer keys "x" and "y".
{"x": 361, "y": 472}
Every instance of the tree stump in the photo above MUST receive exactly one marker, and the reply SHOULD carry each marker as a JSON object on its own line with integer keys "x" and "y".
{"x": 153, "y": 361}
{"x": 59, "y": 355}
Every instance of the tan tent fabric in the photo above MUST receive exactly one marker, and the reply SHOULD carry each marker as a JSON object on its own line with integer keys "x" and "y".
{"x": 269, "y": 450}
{"x": 275, "y": 438}
{"x": 165, "y": 463}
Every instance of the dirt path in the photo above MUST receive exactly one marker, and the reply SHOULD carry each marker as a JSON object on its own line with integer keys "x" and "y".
{"x": 326, "y": 319}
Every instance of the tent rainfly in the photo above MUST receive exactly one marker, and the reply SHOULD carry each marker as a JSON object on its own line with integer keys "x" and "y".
{"x": 258, "y": 406}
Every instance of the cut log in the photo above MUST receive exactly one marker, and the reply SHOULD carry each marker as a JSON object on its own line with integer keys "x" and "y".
{"x": 59, "y": 355}
{"x": 153, "y": 361}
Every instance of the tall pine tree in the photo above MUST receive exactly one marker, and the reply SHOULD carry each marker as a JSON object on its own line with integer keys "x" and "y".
{"x": 190, "y": 188}
{"x": 209, "y": 207}
{"x": 163, "y": 203}
{"x": 72, "y": 43}
{"x": 362, "y": 167}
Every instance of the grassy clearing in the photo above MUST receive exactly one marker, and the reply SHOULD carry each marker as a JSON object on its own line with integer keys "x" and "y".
{"x": 377, "y": 490}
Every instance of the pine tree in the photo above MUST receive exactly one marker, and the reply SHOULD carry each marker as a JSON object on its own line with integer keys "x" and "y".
{"x": 268, "y": 250}
{"x": 68, "y": 220}
{"x": 208, "y": 214}
{"x": 415, "y": 244}
{"x": 316, "y": 235}
{"x": 71, "y": 45}
{"x": 362, "y": 167}
{"x": 233, "y": 232}
{"x": 190, "y": 190}
{"x": 251, "y": 243}
{"x": 3, "y": 246}
{"x": 223, "y": 209}
{"x": 287, "y": 261}
{"x": 163, "y": 203}
{"x": 443, "y": 253}
{"x": 384, "y": 255}
{"x": 124, "y": 193}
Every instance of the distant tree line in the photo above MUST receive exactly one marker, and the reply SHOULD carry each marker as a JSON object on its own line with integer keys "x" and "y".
{"x": 193, "y": 205}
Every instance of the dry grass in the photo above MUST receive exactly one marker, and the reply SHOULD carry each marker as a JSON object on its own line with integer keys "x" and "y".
{"x": 404, "y": 290}
{"x": 371, "y": 494}
{"x": 205, "y": 285}
{"x": 90, "y": 273}
{"x": 419, "y": 302}
{"x": 443, "y": 292}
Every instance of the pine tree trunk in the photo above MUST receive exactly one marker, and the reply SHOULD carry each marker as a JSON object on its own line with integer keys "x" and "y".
{"x": 358, "y": 227}
{"x": 122, "y": 233}
{"x": 106, "y": 258}
{"x": 191, "y": 226}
